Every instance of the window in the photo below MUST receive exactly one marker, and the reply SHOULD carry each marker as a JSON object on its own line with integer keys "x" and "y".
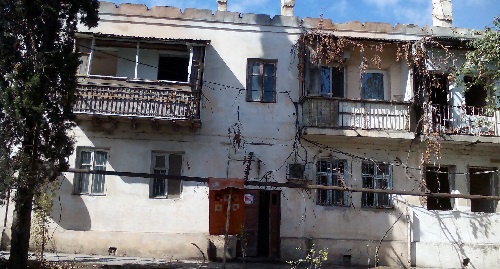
{"x": 332, "y": 81}
{"x": 332, "y": 173}
{"x": 475, "y": 95}
{"x": 373, "y": 85}
{"x": 261, "y": 80}
{"x": 376, "y": 176}
{"x": 93, "y": 159}
{"x": 437, "y": 180}
{"x": 148, "y": 60}
{"x": 166, "y": 164}
{"x": 483, "y": 182}
{"x": 173, "y": 68}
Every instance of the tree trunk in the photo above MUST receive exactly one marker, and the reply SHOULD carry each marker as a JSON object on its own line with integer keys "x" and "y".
{"x": 21, "y": 228}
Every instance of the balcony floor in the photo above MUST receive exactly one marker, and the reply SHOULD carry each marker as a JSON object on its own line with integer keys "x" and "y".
{"x": 314, "y": 132}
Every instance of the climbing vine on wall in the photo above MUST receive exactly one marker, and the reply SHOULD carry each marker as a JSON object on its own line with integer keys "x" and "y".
{"x": 424, "y": 58}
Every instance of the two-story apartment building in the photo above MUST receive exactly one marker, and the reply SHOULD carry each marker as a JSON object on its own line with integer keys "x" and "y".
{"x": 354, "y": 105}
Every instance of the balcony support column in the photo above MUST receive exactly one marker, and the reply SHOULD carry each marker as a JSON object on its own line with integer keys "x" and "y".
{"x": 89, "y": 64}
{"x": 136, "y": 60}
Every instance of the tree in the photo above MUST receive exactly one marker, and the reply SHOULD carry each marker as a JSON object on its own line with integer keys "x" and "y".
{"x": 37, "y": 93}
{"x": 483, "y": 60}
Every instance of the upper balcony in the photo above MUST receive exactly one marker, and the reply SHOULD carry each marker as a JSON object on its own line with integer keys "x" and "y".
{"x": 458, "y": 115}
{"x": 463, "y": 123}
{"x": 132, "y": 77}
{"x": 339, "y": 98}
{"x": 143, "y": 100}
{"x": 341, "y": 116}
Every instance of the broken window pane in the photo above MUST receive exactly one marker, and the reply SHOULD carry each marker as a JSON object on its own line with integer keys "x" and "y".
{"x": 104, "y": 62}
{"x": 372, "y": 86}
{"x": 483, "y": 182}
{"x": 437, "y": 181}
{"x": 173, "y": 68}
{"x": 475, "y": 95}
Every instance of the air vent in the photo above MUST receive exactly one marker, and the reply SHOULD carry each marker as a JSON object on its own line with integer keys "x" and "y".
{"x": 296, "y": 171}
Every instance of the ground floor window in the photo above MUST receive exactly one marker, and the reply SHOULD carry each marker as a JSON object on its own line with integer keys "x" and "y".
{"x": 332, "y": 172}
{"x": 376, "y": 176}
{"x": 92, "y": 159}
{"x": 483, "y": 181}
{"x": 166, "y": 164}
{"x": 437, "y": 180}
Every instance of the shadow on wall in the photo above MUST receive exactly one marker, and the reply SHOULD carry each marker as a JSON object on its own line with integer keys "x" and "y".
{"x": 456, "y": 227}
{"x": 69, "y": 211}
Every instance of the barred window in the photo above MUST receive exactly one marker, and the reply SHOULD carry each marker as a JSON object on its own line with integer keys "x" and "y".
{"x": 376, "y": 176}
{"x": 332, "y": 173}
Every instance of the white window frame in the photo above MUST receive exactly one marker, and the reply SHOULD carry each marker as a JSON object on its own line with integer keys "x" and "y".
{"x": 92, "y": 166}
{"x": 166, "y": 167}
{"x": 375, "y": 177}
{"x": 332, "y": 180}
{"x": 385, "y": 83}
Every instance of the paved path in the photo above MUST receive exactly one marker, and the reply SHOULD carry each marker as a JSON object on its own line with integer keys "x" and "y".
{"x": 134, "y": 262}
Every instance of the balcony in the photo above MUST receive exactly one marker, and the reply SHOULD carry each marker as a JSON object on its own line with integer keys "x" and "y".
{"x": 462, "y": 120}
{"x": 374, "y": 118}
{"x": 136, "y": 100}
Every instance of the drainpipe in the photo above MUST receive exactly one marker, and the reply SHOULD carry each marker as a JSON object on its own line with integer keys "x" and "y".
{"x": 287, "y": 7}
{"x": 222, "y": 5}
{"x": 441, "y": 13}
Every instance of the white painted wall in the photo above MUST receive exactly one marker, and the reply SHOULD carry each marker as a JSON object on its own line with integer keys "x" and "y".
{"x": 127, "y": 218}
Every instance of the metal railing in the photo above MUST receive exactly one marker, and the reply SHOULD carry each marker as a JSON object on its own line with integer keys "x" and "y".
{"x": 136, "y": 101}
{"x": 342, "y": 113}
{"x": 467, "y": 120}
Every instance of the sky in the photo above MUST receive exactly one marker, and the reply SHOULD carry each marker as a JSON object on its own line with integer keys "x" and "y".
{"x": 475, "y": 14}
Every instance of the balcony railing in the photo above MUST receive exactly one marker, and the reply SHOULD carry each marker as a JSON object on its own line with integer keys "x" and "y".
{"x": 355, "y": 114}
{"x": 466, "y": 120}
{"x": 136, "y": 101}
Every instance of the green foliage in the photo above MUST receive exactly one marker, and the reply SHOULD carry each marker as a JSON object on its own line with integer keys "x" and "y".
{"x": 43, "y": 201}
{"x": 483, "y": 61}
{"x": 37, "y": 93}
{"x": 313, "y": 260}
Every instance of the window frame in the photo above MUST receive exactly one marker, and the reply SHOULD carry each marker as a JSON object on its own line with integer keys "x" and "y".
{"x": 385, "y": 84}
{"x": 344, "y": 78}
{"x": 77, "y": 190}
{"x": 99, "y": 45}
{"x": 262, "y": 62}
{"x": 442, "y": 169}
{"x": 375, "y": 178}
{"x": 165, "y": 195}
{"x": 493, "y": 190}
{"x": 332, "y": 194}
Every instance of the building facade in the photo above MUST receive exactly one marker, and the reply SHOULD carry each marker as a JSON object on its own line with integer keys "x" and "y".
{"x": 229, "y": 95}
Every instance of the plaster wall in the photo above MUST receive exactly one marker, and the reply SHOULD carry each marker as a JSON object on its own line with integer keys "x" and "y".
{"x": 395, "y": 72}
{"x": 456, "y": 234}
{"x": 125, "y": 217}
{"x": 128, "y": 219}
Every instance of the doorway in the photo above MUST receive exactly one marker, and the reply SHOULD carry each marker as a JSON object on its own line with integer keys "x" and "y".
{"x": 437, "y": 84}
{"x": 262, "y": 223}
